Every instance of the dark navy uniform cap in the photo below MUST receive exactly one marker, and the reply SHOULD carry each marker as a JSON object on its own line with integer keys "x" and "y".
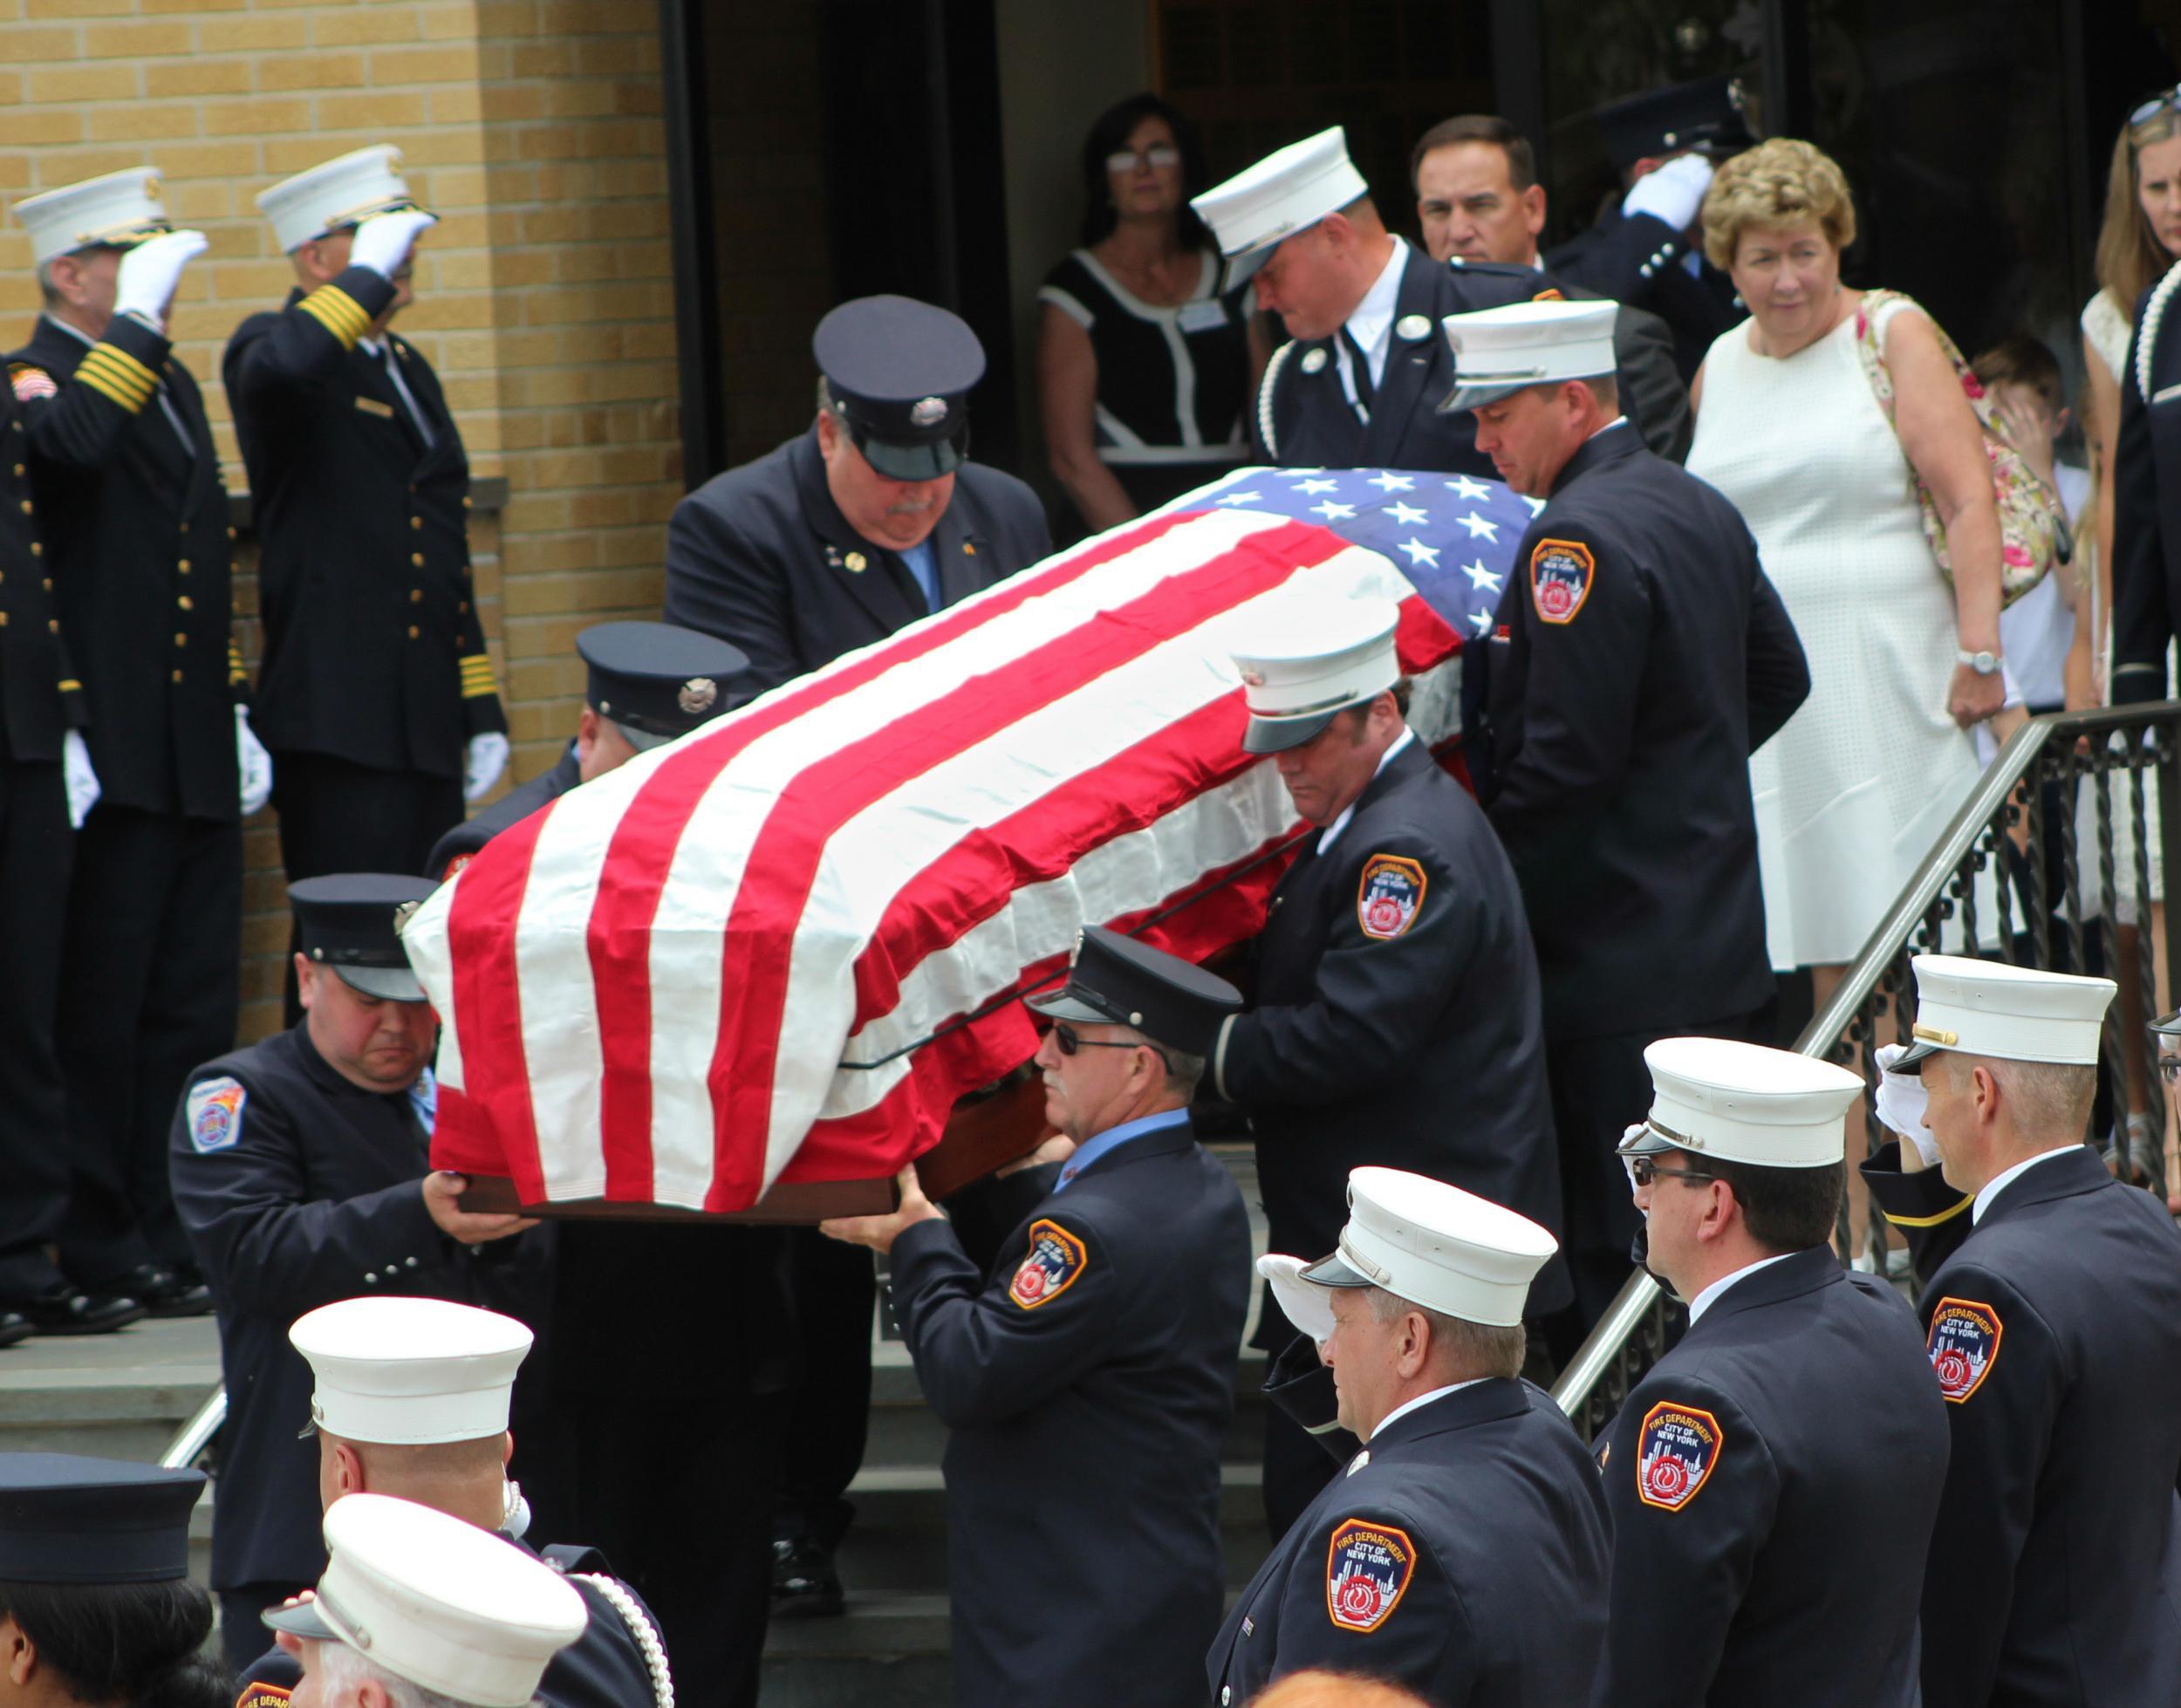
{"x": 66, "y": 1518}
{"x": 1115, "y": 981}
{"x": 352, "y": 922}
{"x": 656, "y": 680}
{"x": 1708, "y": 116}
{"x": 900, "y": 372}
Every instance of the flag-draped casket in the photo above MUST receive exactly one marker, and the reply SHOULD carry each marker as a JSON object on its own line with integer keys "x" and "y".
{"x": 780, "y": 948}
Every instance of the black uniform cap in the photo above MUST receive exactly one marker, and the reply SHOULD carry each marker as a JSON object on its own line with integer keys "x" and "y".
{"x": 1115, "y": 981}
{"x": 900, "y": 372}
{"x": 66, "y": 1518}
{"x": 656, "y": 680}
{"x": 352, "y": 922}
{"x": 1707, "y": 116}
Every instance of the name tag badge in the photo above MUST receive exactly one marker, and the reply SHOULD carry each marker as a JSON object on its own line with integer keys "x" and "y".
{"x": 2166, "y": 394}
{"x": 373, "y": 407}
{"x": 1204, "y": 317}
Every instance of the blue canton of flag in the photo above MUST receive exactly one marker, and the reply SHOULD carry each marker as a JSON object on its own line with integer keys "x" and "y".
{"x": 1452, "y": 534}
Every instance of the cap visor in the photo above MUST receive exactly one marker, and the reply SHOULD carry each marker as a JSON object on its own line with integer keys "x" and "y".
{"x": 1915, "y": 1053}
{"x": 1644, "y": 1142}
{"x": 1332, "y": 1272}
{"x": 1278, "y": 734}
{"x": 927, "y": 461}
{"x": 1241, "y": 268}
{"x": 1476, "y": 397}
{"x": 301, "y": 1620}
{"x": 2168, "y": 1025}
{"x": 1059, "y": 1005}
{"x": 389, "y": 984}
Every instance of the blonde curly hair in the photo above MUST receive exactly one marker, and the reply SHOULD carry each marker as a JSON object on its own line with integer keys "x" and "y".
{"x": 1783, "y": 181}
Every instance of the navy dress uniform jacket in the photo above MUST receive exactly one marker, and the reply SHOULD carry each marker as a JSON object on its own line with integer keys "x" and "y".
{"x": 2055, "y": 1334}
{"x": 41, "y": 696}
{"x": 1420, "y": 1049}
{"x": 1773, "y": 1482}
{"x": 761, "y": 557}
{"x": 1639, "y": 260}
{"x": 1640, "y": 656}
{"x": 2147, "y": 503}
{"x": 461, "y": 845}
{"x": 1933, "y": 1217}
{"x": 1463, "y": 1554}
{"x": 137, "y": 544}
{"x": 298, "y": 1189}
{"x": 1301, "y": 417}
{"x": 1086, "y": 1383}
{"x": 374, "y": 653}
{"x": 604, "y": 1668}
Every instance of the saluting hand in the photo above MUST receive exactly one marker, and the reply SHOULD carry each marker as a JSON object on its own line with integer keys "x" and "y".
{"x": 442, "y": 1196}
{"x": 880, "y": 1232}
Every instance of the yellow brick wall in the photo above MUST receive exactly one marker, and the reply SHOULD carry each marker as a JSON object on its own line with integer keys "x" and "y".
{"x": 544, "y": 294}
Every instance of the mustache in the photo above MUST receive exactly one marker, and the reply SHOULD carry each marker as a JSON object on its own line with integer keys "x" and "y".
{"x": 910, "y": 507}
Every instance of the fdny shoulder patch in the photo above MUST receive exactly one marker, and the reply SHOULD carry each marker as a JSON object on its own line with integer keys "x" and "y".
{"x": 1554, "y": 295}
{"x": 214, "y": 1113}
{"x": 1367, "y": 1571}
{"x": 1676, "y": 1449}
{"x": 1963, "y": 1344}
{"x": 31, "y": 383}
{"x": 1057, "y": 1259}
{"x": 262, "y": 1696}
{"x": 1390, "y": 896}
{"x": 1560, "y": 576}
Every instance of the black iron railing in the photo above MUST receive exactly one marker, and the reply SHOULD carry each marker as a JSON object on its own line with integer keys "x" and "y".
{"x": 2071, "y": 796}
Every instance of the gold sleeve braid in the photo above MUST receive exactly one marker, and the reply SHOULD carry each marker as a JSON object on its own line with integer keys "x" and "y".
{"x": 477, "y": 681}
{"x": 339, "y": 312}
{"x": 115, "y": 374}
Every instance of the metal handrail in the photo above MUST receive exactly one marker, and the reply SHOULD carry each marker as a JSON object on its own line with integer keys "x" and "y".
{"x": 1634, "y": 1303}
{"x": 193, "y": 1437}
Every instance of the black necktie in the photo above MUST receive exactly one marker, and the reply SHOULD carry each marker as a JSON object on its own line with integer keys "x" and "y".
{"x": 1366, "y": 393}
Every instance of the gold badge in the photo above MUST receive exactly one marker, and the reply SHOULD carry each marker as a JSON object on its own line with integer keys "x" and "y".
{"x": 697, "y": 694}
{"x": 855, "y": 561}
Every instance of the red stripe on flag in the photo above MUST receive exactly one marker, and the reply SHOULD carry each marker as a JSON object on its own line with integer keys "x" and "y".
{"x": 642, "y": 852}
{"x": 488, "y": 1006}
{"x": 776, "y": 886}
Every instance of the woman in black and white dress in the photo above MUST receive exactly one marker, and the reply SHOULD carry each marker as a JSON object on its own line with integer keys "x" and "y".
{"x": 1143, "y": 366}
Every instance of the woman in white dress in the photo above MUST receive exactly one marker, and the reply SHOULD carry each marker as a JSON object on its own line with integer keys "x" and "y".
{"x": 2139, "y": 240}
{"x": 1854, "y": 790}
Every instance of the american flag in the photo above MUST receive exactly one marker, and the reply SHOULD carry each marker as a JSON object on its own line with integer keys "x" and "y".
{"x": 780, "y": 947}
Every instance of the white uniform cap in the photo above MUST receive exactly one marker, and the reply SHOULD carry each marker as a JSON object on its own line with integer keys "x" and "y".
{"x": 119, "y": 208}
{"x": 1745, "y": 1104}
{"x": 1290, "y": 189}
{"x": 2014, "y": 1014}
{"x": 1310, "y": 659}
{"x": 1498, "y": 352}
{"x": 409, "y": 1371}
{"x": 338, "y": 192}
{"x": 1436, "y": 1246}
{"x": 438, "y": 1602}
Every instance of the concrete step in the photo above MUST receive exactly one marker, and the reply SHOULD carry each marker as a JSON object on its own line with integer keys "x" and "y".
{"x": 120, "y": 1396}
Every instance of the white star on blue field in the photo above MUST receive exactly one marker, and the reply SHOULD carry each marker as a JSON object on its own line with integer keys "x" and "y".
{"x": 1455, "y": 539}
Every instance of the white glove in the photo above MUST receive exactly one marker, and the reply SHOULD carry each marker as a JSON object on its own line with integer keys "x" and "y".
{"x": 77, "y": 777}
{"x": 1304, "y": 1303}
{"x": 382, "y": 241}
{"x": 488, "y": 757}
{"x": 144, "y": 286}
{"x": 1674, "y": 193}
{"x": 1902, "y": 1102}
{"x": 254, "y": 763}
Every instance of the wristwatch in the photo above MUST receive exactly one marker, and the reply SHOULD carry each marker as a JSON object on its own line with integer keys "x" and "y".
{"x": 1985, "y": 663}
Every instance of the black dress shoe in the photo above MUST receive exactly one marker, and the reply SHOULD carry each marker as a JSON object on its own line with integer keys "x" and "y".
{"x": 14, "y": 1326}
{"x": 70, "y": 1311}
{"x": 161, "y": 1291}
{"x": 805, "y": 1584}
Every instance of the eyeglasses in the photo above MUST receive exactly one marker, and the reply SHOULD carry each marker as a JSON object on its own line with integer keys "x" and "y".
{"x": 1127, "y": 159}
{"x": 1644, "y": 1170}
{"x": 1070, "y": 1041}
{"x": 2169, "y": 1070}
{"x": 2151, "y": 108}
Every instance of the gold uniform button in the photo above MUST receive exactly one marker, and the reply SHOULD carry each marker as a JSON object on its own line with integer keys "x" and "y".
{"x": 417, "y": 558}
{"x": 181, "y": 640}
{"x": 416, "y": 595}
{"x": 49, "y": 584}
{"x": 18, "y": 471}
{"x": 465, "y": 495}
{"x": 53, "y": 626}
{"x": 463, "y": 608}
{"x": 177, "y": 676}
{"x": 3, "y": 619}
{"x": 182, "y": 564}
{"x": 413, "y": 632}
{"x": 26, "y": 507}
{"x": 186, "y": 603}
{"x": 230, "y": 532}
{"x": 416, "y": 522}
{"x": 38, "y": 548}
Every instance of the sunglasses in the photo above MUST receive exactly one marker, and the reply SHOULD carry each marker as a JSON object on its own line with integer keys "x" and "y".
{"x": 1127, "y": 159}
{"x": 2156, "y": 103}
{"x": 1070, "y": 1041}
{"x": 1643, "y": 1170}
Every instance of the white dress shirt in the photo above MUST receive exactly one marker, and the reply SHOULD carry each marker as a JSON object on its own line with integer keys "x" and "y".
{"x": 1711, "y": 1295}
{"x": 1371, "y": 326}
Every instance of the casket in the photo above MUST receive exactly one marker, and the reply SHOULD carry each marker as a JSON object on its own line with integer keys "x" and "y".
{"x": 754, "y": 972}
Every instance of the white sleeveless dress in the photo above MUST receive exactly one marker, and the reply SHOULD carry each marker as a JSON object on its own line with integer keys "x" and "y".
{"x": 1852, "y": 793}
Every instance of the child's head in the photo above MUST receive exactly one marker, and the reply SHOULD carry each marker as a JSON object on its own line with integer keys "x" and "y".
{"x": 2021, "y": 364}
